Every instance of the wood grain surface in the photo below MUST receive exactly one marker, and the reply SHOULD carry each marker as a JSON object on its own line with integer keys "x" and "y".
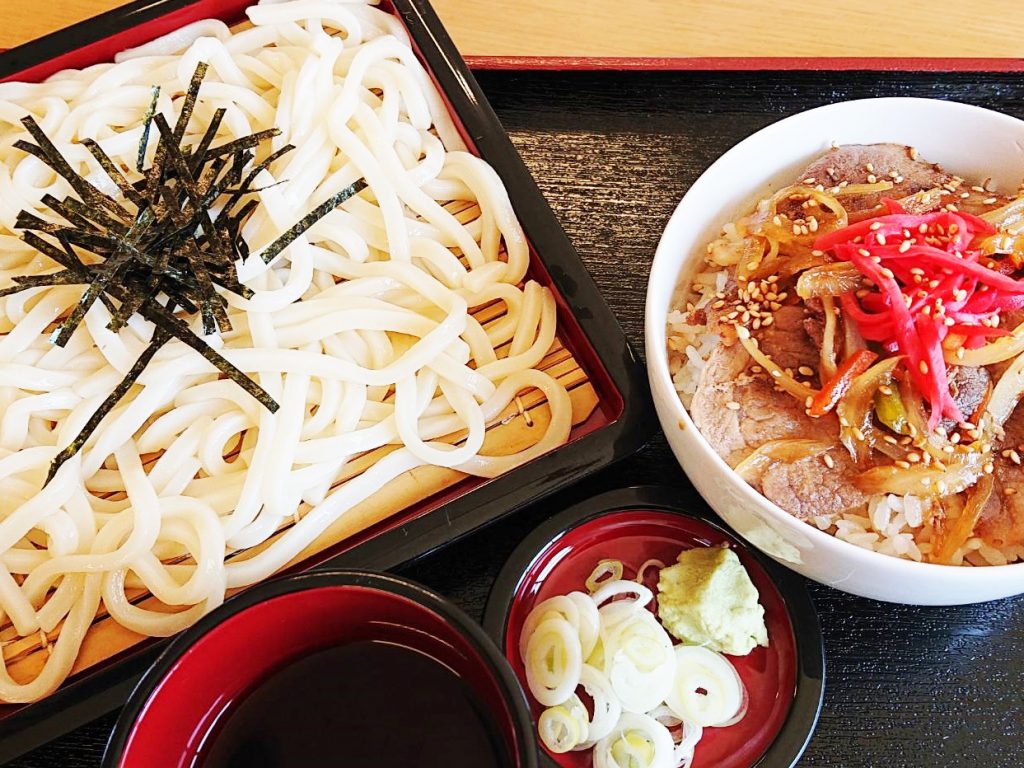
{"x": 614, "y": 152}
{"x": 671, "y": 28}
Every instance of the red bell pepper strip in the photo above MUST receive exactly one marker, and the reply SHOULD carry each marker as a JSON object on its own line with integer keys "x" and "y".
{"x": 829, "y": 395}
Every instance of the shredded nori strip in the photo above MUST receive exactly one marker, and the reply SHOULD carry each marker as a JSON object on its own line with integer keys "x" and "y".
{"x": 158, "y": 340}
{"x": 274, "y": 249}
{"x": 161, "y": 252}
{"x": 147, "y": 123}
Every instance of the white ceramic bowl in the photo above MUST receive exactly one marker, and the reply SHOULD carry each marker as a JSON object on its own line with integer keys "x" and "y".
{"x": 969, "y": 141}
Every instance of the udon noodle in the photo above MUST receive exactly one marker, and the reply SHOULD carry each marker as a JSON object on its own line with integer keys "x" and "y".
{"x": 361, "y": 330}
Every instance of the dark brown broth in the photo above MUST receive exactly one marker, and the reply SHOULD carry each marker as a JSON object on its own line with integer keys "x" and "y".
{"x": 361, "y": 705}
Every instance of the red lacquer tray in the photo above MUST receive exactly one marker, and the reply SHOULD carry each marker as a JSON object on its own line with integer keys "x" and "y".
{"x": 620, "y": 424}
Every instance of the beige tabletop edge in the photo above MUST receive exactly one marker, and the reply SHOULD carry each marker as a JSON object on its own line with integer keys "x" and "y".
{"x": 671, "y": 28}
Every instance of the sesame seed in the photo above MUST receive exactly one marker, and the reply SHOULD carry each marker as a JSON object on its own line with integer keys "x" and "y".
{"x": 777, "y": 220}
{"x": 829, "y": 462}
{"x": 1014, "y": 457}
{"x": 1009, "y": 491}
{"x": 923, "y": 367}
{"x": 890, "y": 439}
{"x": 942, "y": 487}
{"x": 870, "y": 168}
{"x": 872, "y": 179}
{"x": 808, "y": 401}
{"x": 912, "y": 151}
{"x": 989, "y": 468}
{"x": 988, "y": 200}
{"x": 875, "y": 225}
{"x": 880, "y": 239}
{"x": 857, "y": 433}
{"x": 905, "y": 246}
{"x": 902, "y": 464}
{"x": 888, "y": 273}
{"x": 732, "y": 405}
{"x": 864, "y": 252}
{"x": 776, "y": 373}
{"x": 913, "y": 457}
{"x": 805, "y": 370}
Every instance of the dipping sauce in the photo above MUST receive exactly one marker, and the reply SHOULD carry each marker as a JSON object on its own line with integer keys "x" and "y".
{"x": 362, "y": 705}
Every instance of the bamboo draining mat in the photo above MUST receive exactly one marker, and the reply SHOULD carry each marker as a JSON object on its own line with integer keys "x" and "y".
{"x": 518, "y": 427}
{"x": 671, "y": 28}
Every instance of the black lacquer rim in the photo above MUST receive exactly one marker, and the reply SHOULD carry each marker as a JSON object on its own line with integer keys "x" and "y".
{"x": 797, "y": 729}
{"x": 105, "y": 689}
{"x": 279, "y": 586}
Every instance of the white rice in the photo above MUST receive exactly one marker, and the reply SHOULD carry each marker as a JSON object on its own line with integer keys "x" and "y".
{"x": 689, "y": 346}
{"x": 899, "y": 526}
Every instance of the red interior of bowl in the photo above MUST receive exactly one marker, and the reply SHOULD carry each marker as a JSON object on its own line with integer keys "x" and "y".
{"x": 226, "y": 663}
{"x": 634, "y": 537}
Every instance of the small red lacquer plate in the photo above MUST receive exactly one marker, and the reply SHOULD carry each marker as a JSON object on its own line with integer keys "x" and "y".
{"x": 784, "y": 681}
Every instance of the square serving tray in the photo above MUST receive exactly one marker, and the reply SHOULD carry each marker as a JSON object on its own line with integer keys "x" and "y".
{"x": 618, "y": 426}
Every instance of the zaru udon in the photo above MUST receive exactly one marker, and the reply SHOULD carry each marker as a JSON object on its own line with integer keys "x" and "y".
{"x": 362, "y": 329}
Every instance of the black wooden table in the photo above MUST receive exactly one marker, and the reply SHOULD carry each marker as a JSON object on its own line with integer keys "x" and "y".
{"x": 614, "y": 152}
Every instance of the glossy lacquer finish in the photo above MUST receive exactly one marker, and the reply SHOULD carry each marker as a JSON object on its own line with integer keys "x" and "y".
{"x": 180, "y": 702}
{"x": 784, "y": 681}
{"x": 621, "y": 423}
